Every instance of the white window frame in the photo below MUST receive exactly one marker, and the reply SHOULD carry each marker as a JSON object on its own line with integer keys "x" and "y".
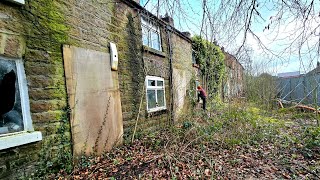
{"x": 155, "y": 88}
{"x": 193, "y": 54}
{"x": 28, "y": 135}
{"x": 17, "y": 1}
{"x": 150, "y": 27}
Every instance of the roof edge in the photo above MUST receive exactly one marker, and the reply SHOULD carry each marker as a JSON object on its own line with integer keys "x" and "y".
{"x": 137, "y": 6}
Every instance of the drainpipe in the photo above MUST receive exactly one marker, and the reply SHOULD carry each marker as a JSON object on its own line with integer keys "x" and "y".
{"x": 168, "y": 31}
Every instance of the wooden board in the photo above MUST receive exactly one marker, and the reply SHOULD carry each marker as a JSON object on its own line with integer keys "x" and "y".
{"x": 94, "y": 99}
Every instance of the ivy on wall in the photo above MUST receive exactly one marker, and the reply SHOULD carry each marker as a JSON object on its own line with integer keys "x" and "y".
{"x": 211, "y": 60}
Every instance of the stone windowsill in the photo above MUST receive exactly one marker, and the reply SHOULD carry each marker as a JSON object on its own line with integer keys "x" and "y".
{"x": 153, "y": 51}
{"x": 18, "y": 139}
{"x": 156, "y": 112}
{"x": 17, "y": 1}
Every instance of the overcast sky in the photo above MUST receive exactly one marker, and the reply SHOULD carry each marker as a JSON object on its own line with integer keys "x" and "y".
{"x": 188, "y": 16}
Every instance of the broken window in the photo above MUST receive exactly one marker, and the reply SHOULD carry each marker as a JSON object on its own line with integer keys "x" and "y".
{"x": 156, "y": 100}
{"x": 11, "y": 118}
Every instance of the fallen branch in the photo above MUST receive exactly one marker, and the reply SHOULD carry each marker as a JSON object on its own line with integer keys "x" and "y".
{"x": 308, "y": 108}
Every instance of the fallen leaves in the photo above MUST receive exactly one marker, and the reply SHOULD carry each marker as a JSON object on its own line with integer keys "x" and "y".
{"x": 188, "y": 156}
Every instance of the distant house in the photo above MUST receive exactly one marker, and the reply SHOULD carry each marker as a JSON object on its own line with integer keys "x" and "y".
{"x": 233, "y": 86}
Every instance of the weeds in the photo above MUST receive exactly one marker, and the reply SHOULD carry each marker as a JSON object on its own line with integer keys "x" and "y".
{"x": 312, "y": 137}
{"x": 243, "y": 142}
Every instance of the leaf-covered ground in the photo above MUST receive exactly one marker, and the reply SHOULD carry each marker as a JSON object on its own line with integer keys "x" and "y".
{"x": 240, "y": 143}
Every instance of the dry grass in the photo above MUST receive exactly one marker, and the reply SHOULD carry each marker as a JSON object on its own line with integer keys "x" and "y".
{"x": 233, "y": 142}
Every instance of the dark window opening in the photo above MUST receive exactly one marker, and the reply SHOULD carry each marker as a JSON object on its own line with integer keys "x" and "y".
{"x": 10, "y": 103}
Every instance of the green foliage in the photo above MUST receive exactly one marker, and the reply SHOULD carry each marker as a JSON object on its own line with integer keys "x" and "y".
{"x": 246, "y": 126}
{"x": 51, "y": 20}
{"x": 261, "y": 89}
{"x": 52, "y": 159}
{"x": 212, "y": 66}
{"x": 312, "y": 137}
{"x": 187, "y": 124}
{"x": 286, "y": 110}
{"x": 304, "y": 115}
{"x": 192, "y": 91}
{"x": 238, "y": 125}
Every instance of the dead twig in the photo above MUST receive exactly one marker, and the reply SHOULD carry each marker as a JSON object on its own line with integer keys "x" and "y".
{"x": 135, "y": 126}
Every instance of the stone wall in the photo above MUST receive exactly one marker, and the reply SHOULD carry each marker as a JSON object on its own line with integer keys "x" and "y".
{"x": 233, "y": 85}
{"x": 137, "y": 62}
{"x": 182, "y": 74}
{"x": 36, "y": 33}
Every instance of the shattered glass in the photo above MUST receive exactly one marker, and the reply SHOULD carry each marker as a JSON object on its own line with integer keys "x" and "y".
{"x": 10, "y": 102}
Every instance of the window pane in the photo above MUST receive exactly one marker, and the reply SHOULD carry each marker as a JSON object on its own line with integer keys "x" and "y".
{"x": 161, "y": 100}
{"x": 160, "y": 83}
{"x": 10, "y": 102}
{"x": 145, "y": 38}
{"x": 151, "y": 94}
{"x": 155, "y": 40}
{"x": 194, "y": 58}
{"x": 151, "y": 82}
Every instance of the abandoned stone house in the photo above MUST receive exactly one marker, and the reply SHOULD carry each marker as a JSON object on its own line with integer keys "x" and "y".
{"x": 233, "y": 85}
{"x": 75, "y": 76}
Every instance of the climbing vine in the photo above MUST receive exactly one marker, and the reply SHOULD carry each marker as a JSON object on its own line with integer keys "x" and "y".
{"x": 211, "y": 60}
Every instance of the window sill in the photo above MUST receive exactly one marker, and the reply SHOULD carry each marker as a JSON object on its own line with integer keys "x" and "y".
{"x": 157, "y": 109}
{"x": 13, "y": 140}
{"x": 17, "y": 1}
{"x": 153, "y": 51}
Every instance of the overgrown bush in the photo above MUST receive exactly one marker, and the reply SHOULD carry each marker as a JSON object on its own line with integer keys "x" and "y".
{"x": 312, "y": 137}
{"x": 261, "y": 89}
{"x": 212, "y": 66}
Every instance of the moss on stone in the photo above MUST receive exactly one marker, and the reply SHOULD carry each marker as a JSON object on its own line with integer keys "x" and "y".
{"x": 51, "y": 19}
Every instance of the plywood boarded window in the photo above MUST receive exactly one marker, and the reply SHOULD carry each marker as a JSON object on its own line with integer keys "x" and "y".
{"x": 94, "y": 98}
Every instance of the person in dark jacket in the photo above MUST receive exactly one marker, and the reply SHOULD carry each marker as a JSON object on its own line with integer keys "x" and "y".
{"x": 203, "y": 95}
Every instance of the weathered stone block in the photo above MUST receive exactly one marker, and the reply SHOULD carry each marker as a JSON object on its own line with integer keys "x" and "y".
{"x": 38, "y": 68}
{"x": 13, "y": 46}
{"x": 43, "y": 106}
{"x": 49, "y": 116}
{"x": 35, "y": 55}
{"x": 41, "y": 81}
{"x": 47, "y": 94}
